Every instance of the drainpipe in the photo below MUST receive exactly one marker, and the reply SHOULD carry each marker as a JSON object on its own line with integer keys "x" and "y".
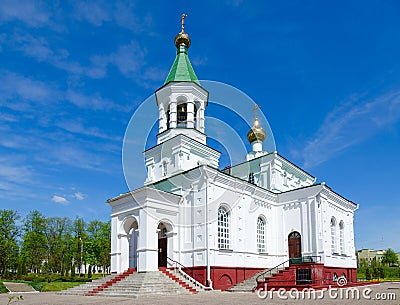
{"x": 208, "y": 270}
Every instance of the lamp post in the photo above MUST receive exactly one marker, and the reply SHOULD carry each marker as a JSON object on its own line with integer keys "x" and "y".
{"x": 80, "y": 267}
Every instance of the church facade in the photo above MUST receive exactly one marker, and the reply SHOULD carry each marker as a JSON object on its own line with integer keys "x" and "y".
{"x": 226, "y": 225}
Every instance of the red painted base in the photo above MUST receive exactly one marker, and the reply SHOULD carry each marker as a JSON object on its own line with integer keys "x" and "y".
{"x": 174, "y": 278}
{"x": 224, "y": 278}
{"x": 111, "y": 282}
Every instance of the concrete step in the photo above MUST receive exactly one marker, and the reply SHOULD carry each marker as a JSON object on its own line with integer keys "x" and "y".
{"x": 142, "y": 284}
{"x": 81, "y": 289}
{"x": 90, "y": 286}
{"x": 185, "y": 279}
{"x": 250, "y": 283}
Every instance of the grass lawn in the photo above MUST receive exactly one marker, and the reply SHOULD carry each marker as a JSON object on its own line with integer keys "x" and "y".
{"x": 3, "y": 288}
{"x": 54, "y": 286}
{"x": 44, "y": 286}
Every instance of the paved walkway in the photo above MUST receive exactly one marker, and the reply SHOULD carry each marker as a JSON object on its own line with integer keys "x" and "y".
{"x": 18, "y": 287}
{"x": 374, "y": 293}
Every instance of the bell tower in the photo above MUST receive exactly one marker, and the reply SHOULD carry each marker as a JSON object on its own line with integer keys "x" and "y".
{"x": 181, "y": 100}
{"x": 181, "y": 139}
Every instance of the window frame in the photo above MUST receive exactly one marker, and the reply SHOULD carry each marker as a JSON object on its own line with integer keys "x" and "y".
{"x": 261, "y": 236}
{"x": 223, "y": 228}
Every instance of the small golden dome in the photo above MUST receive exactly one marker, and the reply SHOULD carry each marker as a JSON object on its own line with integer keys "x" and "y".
{"x": 182, "y": 38}
{"x": 256, "y": 133}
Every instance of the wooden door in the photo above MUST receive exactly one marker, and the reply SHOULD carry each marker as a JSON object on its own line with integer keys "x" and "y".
{"x": 162, "y": 252}
{"x": 294, "y": 243}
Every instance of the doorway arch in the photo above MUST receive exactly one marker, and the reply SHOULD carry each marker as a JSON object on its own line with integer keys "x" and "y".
{"x": 131, "y": 229}
{"x": 162, "y": 230}
{"x": 294, "y": 244}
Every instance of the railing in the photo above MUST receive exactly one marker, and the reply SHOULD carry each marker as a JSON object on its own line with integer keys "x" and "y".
{"x": 305, "y": 259}
{"x": 269, "y": 272}
{"x": 188, "y": 274}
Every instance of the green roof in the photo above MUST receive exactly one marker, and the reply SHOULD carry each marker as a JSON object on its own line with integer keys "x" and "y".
{"x": 182, "y": 70}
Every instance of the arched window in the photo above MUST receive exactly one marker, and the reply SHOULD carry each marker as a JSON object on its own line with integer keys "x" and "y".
{"x": 341, "y": 236}
{"x": 261, "y": 235}
{"x": 195, "y": 116}
{"x": 251, "y": 178}
{"x": 333, "y": 235}
{"x": 223, "y": 228}
{"x": 169, "y": 117}
{"x": 182, "y": 115}
{"x": 164, "y": 169}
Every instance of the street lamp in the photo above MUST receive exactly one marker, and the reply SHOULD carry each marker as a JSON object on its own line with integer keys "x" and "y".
{"x": 80, "y": 267}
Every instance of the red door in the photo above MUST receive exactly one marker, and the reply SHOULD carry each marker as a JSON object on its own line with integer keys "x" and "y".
{"x": 294, "y": 243}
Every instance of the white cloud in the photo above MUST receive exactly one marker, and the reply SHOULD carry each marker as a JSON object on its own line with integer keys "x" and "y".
{"x": 15, "y": 85}
{"x": 360, "y": 118}
{"x": 75, "y": 126}
{"x": 129, "y": 59}
{"x": 200, "y": 61}
{"x": 79, "y": 196}
{"x": 21, "y": 93}
{"x": 14, "y": 172}
{"x": 92, "y": 12}
{"x": 95, "y": 102}
{"x": 33, "y": 13}
{"x": 122, "y": 12}
{"x": 59, "y": 199}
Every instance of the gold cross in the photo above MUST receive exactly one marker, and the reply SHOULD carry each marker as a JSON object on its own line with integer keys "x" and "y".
{"x": 183, "y": 22}
{"x": 255, "y": 110}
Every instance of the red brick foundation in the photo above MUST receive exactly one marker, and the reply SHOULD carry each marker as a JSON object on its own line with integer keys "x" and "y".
{"x": 224, "y": 278}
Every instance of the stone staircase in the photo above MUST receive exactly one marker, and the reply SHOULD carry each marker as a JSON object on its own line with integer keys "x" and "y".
{"x": 111, "y": 282}
{"x": 191, "y": 282}
{"x": 177, "y": 277}
{"x": 251, "y": 283}
{"x": 141, "y": 284}
{"x": 89, "y": 286}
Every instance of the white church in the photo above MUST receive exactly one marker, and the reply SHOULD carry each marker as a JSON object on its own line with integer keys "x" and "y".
{"x": 225, "y": 226}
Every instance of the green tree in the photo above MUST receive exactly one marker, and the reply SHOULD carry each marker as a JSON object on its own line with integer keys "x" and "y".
{"x": 382, "y": 272}
{"x": 368, "y": 273}
{"x": 9, "y": 232}
{"x": 363, "y": 263}
{"x": 99, "y": 244}
{"x": 34, "y": 244}
{"x": 90, "y": 272}
{"x": 57, "y": 235}
{"x": 390, "y": 257}
{"x": 79, "y": 237}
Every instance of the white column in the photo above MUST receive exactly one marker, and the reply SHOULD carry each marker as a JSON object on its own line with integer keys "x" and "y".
{"x": 124, "y": 248}
{"x": 256, "y": 146}
{"x": 172, "y": 114}
{"x": 114, "y": 246}
{"x": 200, "y": 118}
{"x": 162, "y": 118}
{"x": 147, "y": 242}
{"x": 190, "y": 114}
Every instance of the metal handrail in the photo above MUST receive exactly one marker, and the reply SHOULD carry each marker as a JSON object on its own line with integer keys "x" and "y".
{"x": 189, "y": 275}
{"x": 281, "y": 266}
{"x": 305, "y": 259}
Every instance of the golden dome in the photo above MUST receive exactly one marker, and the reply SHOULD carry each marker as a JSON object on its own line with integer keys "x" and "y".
{"x": 182, "y": 38}
{"x": 256, "y": 133}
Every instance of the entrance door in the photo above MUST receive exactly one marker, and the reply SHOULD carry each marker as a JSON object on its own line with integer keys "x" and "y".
{"x": 162, "y": 252}
{"x": 132, "y": 249}
{"x": 294, "y": 243}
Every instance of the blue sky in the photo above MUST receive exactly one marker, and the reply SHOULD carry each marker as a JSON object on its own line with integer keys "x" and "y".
{"x": 326, "y": 75}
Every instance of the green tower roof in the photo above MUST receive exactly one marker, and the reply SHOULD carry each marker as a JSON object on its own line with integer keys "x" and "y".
{"x": 182, "y": 70}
